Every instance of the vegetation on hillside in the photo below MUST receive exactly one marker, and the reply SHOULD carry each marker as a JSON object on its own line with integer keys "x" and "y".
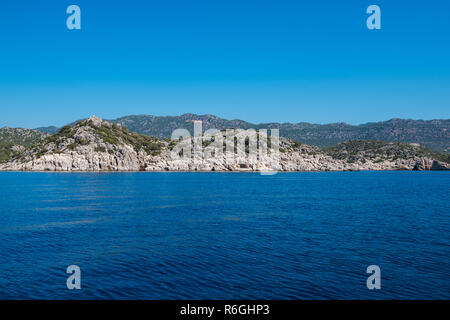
{"x": 5, "y": 151}
{"x": 359, "y": 150}
{"x": 117, "y": 134}
{"x": 13, "y": 140}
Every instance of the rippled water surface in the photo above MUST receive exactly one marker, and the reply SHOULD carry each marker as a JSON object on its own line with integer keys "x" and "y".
{"x": 224, "y": 235}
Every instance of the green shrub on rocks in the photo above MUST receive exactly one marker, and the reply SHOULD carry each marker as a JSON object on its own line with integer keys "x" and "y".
{"x": 116, "y": 134}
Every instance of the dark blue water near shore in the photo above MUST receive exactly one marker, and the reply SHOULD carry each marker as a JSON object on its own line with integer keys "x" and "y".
{"x": 225, "y": 236}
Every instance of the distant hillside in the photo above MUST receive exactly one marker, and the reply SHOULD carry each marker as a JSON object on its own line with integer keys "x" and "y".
{"x": 13, "y": 140}
{"x": 433, "y": 134}
{"x": 162, "y": 127}
{"x": 49, "y": 130}
{"x": 379, "y": 151}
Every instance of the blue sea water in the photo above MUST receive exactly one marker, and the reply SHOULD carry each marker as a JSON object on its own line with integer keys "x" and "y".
{"x": 225, "y": 235}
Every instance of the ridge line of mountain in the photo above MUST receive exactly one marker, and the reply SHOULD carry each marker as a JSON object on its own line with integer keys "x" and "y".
{"x": 53, "y": 128}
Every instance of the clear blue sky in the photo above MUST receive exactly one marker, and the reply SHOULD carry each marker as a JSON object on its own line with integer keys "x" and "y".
{"x": 260, "y": 61}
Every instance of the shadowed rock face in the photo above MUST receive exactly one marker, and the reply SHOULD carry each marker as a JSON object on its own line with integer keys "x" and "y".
{"x": 98, "y": 145}
{"x": 439, "y": 166}
{"x": 428, "y": 164}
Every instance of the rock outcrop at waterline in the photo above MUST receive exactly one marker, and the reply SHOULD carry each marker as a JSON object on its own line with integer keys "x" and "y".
{"x": 99, "y": 145}
{"x": 428, "y": 164}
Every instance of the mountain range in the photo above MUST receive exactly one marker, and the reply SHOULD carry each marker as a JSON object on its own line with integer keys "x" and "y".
{"x": 433, "y": 134}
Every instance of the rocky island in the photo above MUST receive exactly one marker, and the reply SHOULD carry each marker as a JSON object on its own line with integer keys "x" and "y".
{"x": 98, "y": 145}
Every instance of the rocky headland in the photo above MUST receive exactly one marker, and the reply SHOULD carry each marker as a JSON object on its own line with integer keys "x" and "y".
{"x": 99, "y": 145}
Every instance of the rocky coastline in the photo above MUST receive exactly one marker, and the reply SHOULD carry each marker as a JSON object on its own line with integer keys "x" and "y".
{"x": 96, "y": 145}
